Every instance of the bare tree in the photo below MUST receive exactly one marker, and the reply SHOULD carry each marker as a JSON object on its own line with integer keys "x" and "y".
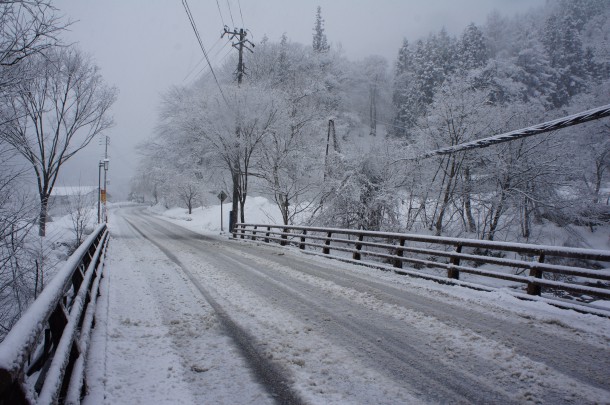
{"x": 207, "y": 124}
{"x": 188, "y": 193}
{"x": 81, "y": 206}
{"x": 27, "y": 27}
{"x": 16, "y": 212}
{"x": 59, "y": 111}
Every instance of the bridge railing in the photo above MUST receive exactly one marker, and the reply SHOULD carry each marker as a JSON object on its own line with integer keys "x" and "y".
{"x": 42, "y": 357}
{"x": 552, "y": 268}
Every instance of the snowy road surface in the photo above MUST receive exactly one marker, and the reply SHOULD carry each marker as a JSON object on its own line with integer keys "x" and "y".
{"x": 191, "y": 319}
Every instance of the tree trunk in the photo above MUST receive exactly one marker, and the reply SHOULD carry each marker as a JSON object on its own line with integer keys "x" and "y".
{"x": 235, "y": 203}
{"x": 242, "y": 216}
{"x": 493, "y": 226}
{"x": 599, "y": 173}
{"x": 42, "y": 218}
{"x": 243, "y": 194}
{"x": 472, "y": 227}
{"x": 284, "y": 208}
{"x": 439, "y": 220}
{"x": 373, "y": 109}
{"x": 525, "y": 228}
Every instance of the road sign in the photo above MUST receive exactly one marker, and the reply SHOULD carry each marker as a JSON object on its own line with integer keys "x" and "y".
{"x": 222, "y": 196}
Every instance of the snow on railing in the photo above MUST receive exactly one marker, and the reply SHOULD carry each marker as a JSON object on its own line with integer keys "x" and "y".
{"x": 455, "y": 255}
{"x": 42, "y": 357}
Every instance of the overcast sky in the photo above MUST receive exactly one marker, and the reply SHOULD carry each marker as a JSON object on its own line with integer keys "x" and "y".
{"x": 145, "y": 46}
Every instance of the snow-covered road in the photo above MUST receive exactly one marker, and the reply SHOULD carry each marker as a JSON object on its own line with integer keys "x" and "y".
{"x": 187, "y": 318}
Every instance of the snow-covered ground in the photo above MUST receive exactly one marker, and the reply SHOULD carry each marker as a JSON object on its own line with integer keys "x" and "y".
{"x": 196, "y": 319}
{"x": 207, "y": 219}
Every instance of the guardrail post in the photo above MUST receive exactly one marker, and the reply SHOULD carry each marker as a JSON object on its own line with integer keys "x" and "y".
{"x": 243, "y": 232}
{"x": 284, "y": 237}
{"x": 399, "y": 253}
{"x": 254, "y": 233}
{"x": 451, "y": 272}
{"x": 535, "y": 289}
{"x": 326, "y": 250}
{"x": 302, "y": 244}
{"x": 356, "y": 255}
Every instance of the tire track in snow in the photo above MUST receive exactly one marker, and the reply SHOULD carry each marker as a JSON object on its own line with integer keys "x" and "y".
{"x": 536, "y": 344}
{"x": 269, "y": 374}
{"x": 221, "y": 253}
{"x": 372, "y": 337}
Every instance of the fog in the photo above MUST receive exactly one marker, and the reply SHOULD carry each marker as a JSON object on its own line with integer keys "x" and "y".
{"x": 145, "y": 47}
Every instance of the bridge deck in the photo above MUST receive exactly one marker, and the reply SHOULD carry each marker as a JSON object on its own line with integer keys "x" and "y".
{"x": 185, "y": 318}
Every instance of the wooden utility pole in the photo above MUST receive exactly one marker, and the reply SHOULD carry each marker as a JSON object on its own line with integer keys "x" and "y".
{"x": 241, "y": 44}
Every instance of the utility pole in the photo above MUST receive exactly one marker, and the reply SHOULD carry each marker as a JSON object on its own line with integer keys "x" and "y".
{"x": 241, "y": 44}
{"x": 106, "y": 160}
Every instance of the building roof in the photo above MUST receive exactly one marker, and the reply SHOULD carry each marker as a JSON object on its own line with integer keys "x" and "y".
{"x": 73, "y": 190}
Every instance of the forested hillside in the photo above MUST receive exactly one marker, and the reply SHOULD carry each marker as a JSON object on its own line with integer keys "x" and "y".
{"x": 325, "y": 137}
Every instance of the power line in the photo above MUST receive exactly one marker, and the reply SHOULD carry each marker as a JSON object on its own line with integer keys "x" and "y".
{"x": 196, "y": 31}
{"x": 214, "y": 58}
{"x": 205, "y": 67}
{"x": 220, "y": 12}
{"x": 570, "y": 120}
{"x": 230, "y": 13}
{"x": 203, "y": 58}
{"x": 240, "y": 14}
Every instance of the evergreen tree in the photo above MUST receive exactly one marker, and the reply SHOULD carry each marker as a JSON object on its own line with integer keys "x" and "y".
{"x": 404, "y": 62}
{"x": 565, "y": 51}
{"x": 472, "y": 49}
{"x": 403, "y": 82}
{"x": 320, "y": 44}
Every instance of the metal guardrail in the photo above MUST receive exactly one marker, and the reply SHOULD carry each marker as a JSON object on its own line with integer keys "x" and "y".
{"x": 42, "y": 357}
{"x": 455, "y": 255}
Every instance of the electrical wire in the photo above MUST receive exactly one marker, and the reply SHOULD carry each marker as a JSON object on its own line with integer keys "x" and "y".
{"x": 219, "y": 12}
{"x": 230, "y": 13}
{"x": 207, "y": 74}
{"x": 240, "y": 13}
{"x": 196, "y": 31}
{"x": 215, "y": 58}
{"x": 202, "y": 59}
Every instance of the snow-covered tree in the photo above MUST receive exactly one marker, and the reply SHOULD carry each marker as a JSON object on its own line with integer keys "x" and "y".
{"x": 59, "y": 111}
{"x": 472, "y": 48}
{"x": 271, "y": 136}
{"x": 320, "y": 43}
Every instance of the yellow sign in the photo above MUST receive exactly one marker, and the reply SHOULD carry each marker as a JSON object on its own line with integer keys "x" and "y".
{"x": 103, "y": 196}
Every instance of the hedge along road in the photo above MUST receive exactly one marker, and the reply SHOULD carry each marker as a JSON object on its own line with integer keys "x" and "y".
{"x": 248, "y": 323}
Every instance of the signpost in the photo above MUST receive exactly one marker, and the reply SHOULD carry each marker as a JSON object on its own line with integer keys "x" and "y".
{"x": 222, "y": 196}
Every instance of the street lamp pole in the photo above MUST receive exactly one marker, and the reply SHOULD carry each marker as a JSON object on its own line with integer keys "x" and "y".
{"x": 106, "y": 161}
{"x": 99, "y": 192}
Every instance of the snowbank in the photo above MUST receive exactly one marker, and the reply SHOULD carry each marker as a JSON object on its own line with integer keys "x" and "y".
{"x": 207, "y": 219}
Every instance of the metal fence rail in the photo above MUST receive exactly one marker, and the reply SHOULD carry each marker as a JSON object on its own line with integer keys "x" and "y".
{"x": 549, "y": 268}
{"x": 42, "y": 357}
